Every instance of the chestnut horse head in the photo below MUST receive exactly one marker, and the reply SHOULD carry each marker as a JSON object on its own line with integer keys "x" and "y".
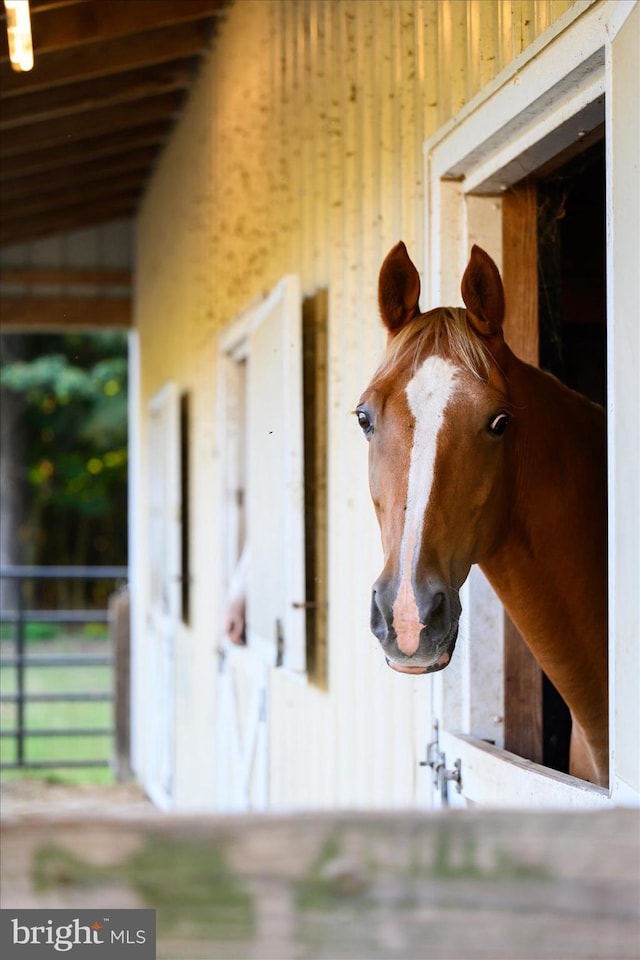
{"x": 437, "y": 416}
{"x": 478, "y": 457}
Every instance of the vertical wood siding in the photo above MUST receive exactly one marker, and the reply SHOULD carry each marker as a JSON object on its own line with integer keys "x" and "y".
{"x": 301, "y": 151}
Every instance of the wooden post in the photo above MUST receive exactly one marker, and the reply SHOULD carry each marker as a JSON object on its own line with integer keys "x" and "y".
{"x": 523, "y": 728}
{"x": 119, "y": 630}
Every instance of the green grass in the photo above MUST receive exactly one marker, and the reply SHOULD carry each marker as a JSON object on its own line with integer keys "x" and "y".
{"x": 33, "y": 631}
{"x": 55, "y": 716}
{"x": 36, "y": 630}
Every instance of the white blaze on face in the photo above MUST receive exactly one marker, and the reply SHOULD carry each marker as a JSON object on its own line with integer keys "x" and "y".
{"x": 428, "y": 393}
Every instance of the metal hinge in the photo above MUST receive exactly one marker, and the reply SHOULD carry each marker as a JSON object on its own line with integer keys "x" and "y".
{"x": 438, "y": 763}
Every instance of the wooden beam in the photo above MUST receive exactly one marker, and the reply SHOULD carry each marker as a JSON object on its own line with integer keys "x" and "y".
{"x": 71, "y": 98}
{"x": 35, "y": 314}
{"x": 83, "y": 126}
{"x": 36, "y": 6}
{"x": 520, "y": 270}
{"x": 66, "y": 221}
{"x": 64, "y": 277}
{"x": 76, "y": 195}
{"x": 109, "y": 19}
{"x": 88, "y": 151}
{"x": 36, "y": 185}
{"x": 105, "y": 58}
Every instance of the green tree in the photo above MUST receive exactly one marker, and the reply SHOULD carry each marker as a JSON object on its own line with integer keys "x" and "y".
{"x": 74, "y": 390}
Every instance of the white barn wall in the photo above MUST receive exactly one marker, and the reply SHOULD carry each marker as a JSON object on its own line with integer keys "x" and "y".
{"x": 300, "y": 151}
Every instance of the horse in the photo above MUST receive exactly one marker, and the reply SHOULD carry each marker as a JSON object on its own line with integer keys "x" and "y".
{"x": 476, "y": 457}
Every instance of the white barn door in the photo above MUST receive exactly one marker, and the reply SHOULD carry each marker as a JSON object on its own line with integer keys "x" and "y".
{"x": 164, "y": 593}
{"x": 623, "y": 227}
{"x": 550, "y": 97}
{"x": 263, "y": 511}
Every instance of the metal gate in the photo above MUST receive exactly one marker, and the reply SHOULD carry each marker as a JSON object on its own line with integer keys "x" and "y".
{"x": 21, "y": 661}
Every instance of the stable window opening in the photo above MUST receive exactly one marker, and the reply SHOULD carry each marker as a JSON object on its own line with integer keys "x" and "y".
{"x": 562, "y": 208}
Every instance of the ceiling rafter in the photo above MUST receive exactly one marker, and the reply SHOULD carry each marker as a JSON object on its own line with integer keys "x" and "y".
{"x": 98, "y": 169}
{"x": 89, "y": 151}
{"x": 81, "y": 132}
{"x": 105, "y": 59}
{"x": 67, "y": 220}
{"x": 100, "y": 122}
{"x": 93, "y": 94}
{"x": 81, "y": 22}
{"x": 116, "y": 187}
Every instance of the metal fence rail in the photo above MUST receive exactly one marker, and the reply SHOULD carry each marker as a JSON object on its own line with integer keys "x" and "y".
{"x": 21, "y": 661}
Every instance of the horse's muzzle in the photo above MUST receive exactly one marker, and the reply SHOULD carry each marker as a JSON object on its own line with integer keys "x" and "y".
{"x": 425, "y": 645}
{"x": 443, "y": 662}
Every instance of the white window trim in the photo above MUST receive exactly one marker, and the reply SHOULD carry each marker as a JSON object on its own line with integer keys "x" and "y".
{"x": 534, "y": 109}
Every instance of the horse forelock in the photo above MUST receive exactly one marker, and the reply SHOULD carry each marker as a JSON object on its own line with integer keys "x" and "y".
{"x": 444, "y": 332}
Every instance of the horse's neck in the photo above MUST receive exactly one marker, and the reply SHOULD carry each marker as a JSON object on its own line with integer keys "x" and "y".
{"x": 550, "y": 569}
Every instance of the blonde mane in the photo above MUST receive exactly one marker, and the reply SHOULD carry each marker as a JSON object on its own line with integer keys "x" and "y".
{"x": 443, "y": 332}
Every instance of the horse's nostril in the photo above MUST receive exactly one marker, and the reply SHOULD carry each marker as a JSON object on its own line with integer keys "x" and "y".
{"x": 379, "y": 626}
{"x": 438, "y": 616}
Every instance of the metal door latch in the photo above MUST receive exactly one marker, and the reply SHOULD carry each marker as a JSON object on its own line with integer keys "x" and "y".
{"x": 279, "y": 643}
{"x": 438, "y": 763}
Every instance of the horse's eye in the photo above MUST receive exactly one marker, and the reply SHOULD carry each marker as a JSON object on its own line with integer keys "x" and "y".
{"x": 498, "y": 424}
{"x": 364, "y": 421}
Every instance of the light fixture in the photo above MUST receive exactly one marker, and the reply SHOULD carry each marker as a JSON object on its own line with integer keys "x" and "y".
{"x": 19, "y": 34}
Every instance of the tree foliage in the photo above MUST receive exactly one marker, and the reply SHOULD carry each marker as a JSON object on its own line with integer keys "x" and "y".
{"x": 74, "y": 389}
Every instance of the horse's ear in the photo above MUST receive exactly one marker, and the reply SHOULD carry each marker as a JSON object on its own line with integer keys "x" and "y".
{"x": 398, "y": 289}
{"x": 483, "y": 294}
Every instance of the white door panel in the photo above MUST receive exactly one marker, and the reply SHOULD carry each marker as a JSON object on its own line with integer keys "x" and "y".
{"x": 495, "y": 778}
{"x": 275, "y": 481}
{"x": 261, "y": 402}
{"x": 164, "y": 592}
{"x": 623, "y": 250}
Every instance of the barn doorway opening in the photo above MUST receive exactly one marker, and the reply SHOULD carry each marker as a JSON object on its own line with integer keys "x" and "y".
{"x": 554, "y": 267}
{"x": 572, "y": 297}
